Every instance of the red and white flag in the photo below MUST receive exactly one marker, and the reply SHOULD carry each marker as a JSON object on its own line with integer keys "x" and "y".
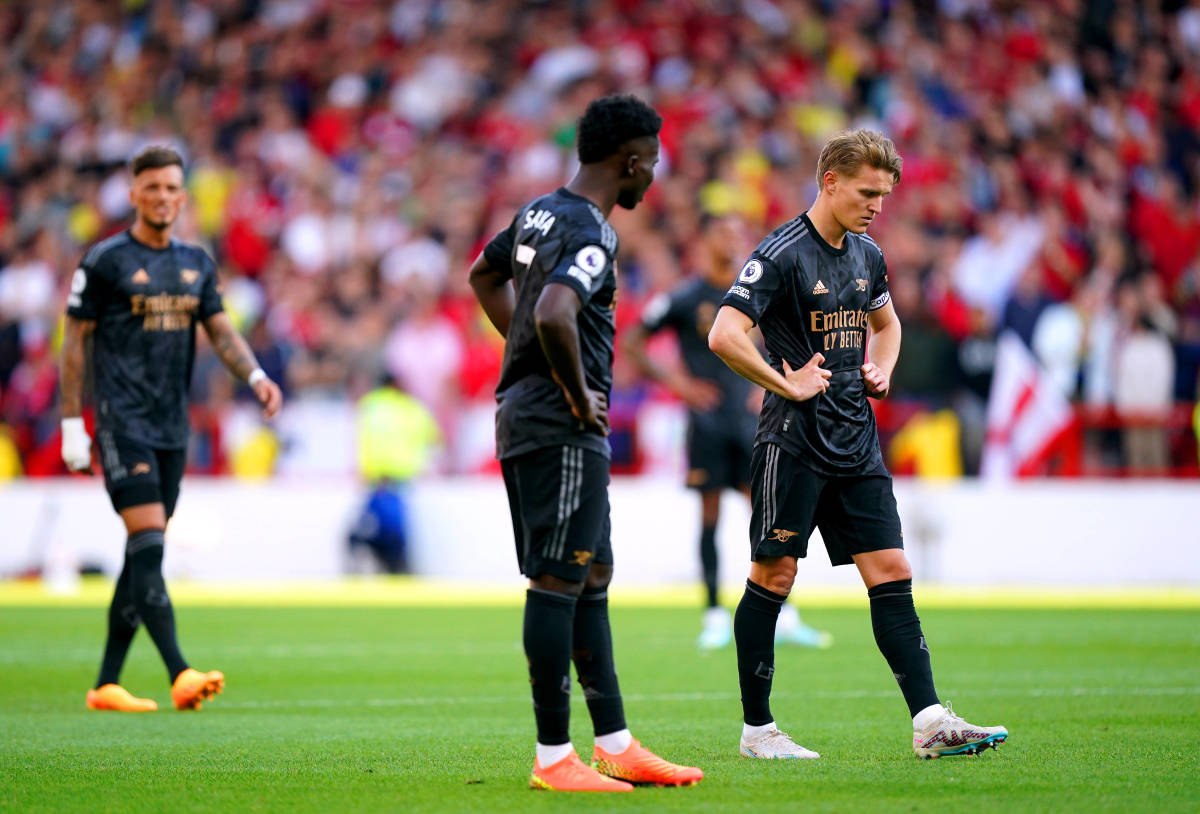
{"x": 1027, "y": 412}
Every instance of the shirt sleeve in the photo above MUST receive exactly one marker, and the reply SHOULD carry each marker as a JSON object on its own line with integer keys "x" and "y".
{"x": 584, "y": 266}
{"x": 880, "y": 294}
{"x": 659, "y": 312}
{"x": 90, "y": 287}
{"x": 210, "y": 293}
{"x": 758, "y": 285}
{"x": 498, "y": 251}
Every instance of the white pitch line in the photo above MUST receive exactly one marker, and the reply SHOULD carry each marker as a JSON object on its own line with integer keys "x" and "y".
{"x": 693, "y": 697}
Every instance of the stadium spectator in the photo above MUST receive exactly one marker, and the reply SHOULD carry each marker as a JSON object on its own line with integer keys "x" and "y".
{"x": 392, "y": 138}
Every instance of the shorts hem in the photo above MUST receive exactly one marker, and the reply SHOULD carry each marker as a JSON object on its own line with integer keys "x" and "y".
{"x": 135, "y": 494}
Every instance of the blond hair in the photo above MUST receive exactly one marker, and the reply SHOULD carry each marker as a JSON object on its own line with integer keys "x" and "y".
{"x": 849, "y": 150}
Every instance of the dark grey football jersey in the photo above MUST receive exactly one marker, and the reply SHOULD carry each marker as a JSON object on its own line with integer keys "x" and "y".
{"x": 560, "y": 238}
{"x": 145, "y": 303}
{"x": 808, "y": 297}
{"x": 689, "y": 310}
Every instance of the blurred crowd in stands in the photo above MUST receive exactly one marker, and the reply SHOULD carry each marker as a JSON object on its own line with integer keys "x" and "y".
{"x": 347, "y": 159}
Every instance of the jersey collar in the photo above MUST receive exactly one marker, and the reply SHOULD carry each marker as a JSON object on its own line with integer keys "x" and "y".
{"x": 142, "y": 245}
{"x": 820, "y": 241}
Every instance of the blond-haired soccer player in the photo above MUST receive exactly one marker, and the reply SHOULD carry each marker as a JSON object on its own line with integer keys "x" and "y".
{"x": 814, "y": 286}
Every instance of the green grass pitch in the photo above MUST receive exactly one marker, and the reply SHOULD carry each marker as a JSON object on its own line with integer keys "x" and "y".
{"x": 427, "y": 709}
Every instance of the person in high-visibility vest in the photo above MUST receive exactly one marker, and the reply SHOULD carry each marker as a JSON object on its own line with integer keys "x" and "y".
{"x": 397, "y": 437}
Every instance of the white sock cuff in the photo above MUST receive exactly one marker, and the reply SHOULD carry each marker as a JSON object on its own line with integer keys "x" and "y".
{"x": 927, "y": 716}
{"x": 547, "y": 756}
{"x": 615, "y": 742}
{"x": 749, "y": 731}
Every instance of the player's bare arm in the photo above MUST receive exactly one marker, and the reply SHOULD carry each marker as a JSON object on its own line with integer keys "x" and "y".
{"x": 494, "y": 292}
{"x": 71, "y": 364}
{"x": 236, "y": 355}
{"x": 883, "y": 351}
{"x": 76, "y": 449}
{"x": 730, "y": 339}
{"x": 555, "y": 317}
{"x": 699, "y": 394}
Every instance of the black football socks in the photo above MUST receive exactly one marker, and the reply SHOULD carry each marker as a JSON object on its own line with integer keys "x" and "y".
{"x": 549, "y": 618}
{"x": 708, "y": 562}
{"x": 122, "y": 625}
{"x": 144, "y": 555}
{"x": 754, "y": 633}
{"x": 592, "y": 652}
{"x": 898, "y": 634}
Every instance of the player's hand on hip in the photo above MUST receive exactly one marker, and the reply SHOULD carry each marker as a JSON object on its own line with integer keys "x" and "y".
{"x": 269, "y": 396}
{"x": 76, "y": 445}
{"x": 808, "y": 381}
{"x": 876, "y": 380}
{"x": 593, "y": 413}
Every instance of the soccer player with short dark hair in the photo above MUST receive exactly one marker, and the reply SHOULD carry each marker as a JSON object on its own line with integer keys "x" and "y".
{"x": 722, "y": 411}
{"x": 814, "y": 286}
{"x": 557, "y": 317}
{"x": 138, "y": 296}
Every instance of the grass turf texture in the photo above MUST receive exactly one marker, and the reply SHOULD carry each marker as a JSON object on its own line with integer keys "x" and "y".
{"x": 427, "y": 709}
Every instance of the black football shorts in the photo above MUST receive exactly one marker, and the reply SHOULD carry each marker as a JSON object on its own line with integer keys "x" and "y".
{"x": 855, "y": 514}
{"x": 136, "y": 474}
{"x": 719, "y": 457}
{"x": 558, "y": 497}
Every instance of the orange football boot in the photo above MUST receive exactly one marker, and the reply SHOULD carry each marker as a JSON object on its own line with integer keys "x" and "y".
{"x": 192, "y": 686}
{"x": 637, "y": 764}
{"x": 572, "y": 774}
{"x": 117, "y": 698}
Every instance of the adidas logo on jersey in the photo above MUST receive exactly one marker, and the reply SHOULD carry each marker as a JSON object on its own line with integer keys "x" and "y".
{"x": 820, "y": 288}
{"x": 140, "y": 277}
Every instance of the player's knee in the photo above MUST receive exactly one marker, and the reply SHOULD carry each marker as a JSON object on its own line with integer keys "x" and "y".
{"x": 891, "y": 572}
{"x": 775, "y": 574}
{"x": 780, "y": 577}
{"x": 598, "y": 577}
{"x": 780, "y": 583}
{"x": 553, "y": 584}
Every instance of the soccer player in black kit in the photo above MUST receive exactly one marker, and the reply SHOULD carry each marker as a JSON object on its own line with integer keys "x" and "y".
{"x": 814, "y": 286}
{"x": 557, "y": 317}
{"x": 138, "y": 295}
{"x": 722, "y": 412}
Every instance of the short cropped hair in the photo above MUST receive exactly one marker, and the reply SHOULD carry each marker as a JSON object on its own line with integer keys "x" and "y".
{"x": 153, "y": 158}
{"x": 609, "y": 122}
{"x": 846, "y": 152}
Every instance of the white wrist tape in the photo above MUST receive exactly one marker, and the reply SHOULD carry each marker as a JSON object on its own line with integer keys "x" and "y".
{"x": 256, "y": 376}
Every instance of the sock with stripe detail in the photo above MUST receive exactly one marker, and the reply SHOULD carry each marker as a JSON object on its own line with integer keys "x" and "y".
{"x": 754, "y": 632}
{"x": 898, "y": 634}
